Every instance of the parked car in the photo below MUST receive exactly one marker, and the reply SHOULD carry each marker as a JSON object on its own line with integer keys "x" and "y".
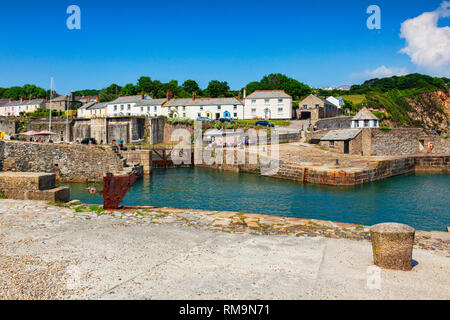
{"x": 226, "y": 120}
{"x": 264, "y": 123}
{"x": 86, "y": 141}
{"x": 204, "y": 119}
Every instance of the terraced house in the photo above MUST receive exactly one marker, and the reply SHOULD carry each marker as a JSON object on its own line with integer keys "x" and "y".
{"x": 212, "y": 108}
{"x": 268, "y": 104}
{"x": 16, "y": 108}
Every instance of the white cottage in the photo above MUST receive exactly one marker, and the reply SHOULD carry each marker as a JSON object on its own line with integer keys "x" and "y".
{"x": 365, "y": 119}
{"x": 268, "y": 104}
{"x": 212, "y": 108}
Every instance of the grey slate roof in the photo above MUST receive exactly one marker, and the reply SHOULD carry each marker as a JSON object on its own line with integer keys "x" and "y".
{"x": 344, "y": 134}
{"x": 86, "y": 106}
{"x": 203, "y": 102}
{"x": 267, "y": 94}
{"x": 100, "y": 105}
{"x": 23, "y": 103}
{"x": 365, "y": 114}
{"x": 129, "y": 99}
{"x": 150, "y": 102}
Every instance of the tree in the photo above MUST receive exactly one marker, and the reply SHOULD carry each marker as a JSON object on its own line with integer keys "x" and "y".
{"x": 129, "y": 90}
{"x": 13, "y": 93}
{"x": 278, "y": 81}
{"x": 113, "y": 89}
{"x": 145, "y": 85}
{"x": 191, "y": 86}
{"x": 217, "y": 89}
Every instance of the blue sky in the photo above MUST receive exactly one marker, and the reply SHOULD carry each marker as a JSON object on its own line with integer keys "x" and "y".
{"x": 320, "y": 43}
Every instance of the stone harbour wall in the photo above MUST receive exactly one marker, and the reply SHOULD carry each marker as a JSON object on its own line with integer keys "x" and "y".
{"x": 406, "y": 141}
{"x": 70, "y": 163}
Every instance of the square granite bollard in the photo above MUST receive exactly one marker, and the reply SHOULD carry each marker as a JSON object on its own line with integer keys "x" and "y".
{"x": 392, "y": 245}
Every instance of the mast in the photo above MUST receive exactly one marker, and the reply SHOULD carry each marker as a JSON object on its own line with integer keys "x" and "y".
{"x": 50, "y": 116}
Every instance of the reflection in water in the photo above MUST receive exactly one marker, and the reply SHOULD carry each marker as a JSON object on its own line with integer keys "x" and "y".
{"x": 421, "y": 201}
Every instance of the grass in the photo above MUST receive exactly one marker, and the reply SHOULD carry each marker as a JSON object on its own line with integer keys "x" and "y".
{"x": 354, "y": 98}
{"x": 3, "y": 196}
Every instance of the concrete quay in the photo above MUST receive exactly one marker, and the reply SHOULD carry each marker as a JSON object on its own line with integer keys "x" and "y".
{"x": 81, "y": 252}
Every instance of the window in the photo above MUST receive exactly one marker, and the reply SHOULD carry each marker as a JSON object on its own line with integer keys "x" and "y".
{"x": 280, "y": 110}
{"x": 142, "y": 109}
{"x": 266, "y": 101}
{"x": 184, "y": 108}
{"x": 235, "y": 115}
{"x": 219, "y": 107}
{"x": 121, "y": 107}
{"x": 129, "y": 107}
{"x": 317, "y": 106}
{"x": 366, "y": 123}
{"x": 253, "y": 101}
{"x": 176, "y": 108}
{"x": 201, "y": 108}
{"x": 184, "y": 115}
{"x": 253, "y": 111}
{"x": 199, "y": 114}
{"x": 235, "y": 107}
{"x": 331, "y": 144}
{"x": 155, "y": 108}
{"x": 305, "y": 106}
{"x": 280, "y": 101}
{"x": 115, "y": 108}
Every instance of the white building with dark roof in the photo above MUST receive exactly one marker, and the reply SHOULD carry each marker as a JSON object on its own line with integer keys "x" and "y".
{"x": 124, "y": 106}
{"x": 212, "y": 108}
{"x": 268, "y": 104}
{"x": 365, "y": 119}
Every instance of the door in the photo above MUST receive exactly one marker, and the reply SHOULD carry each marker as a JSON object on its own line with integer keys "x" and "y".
{"x": 209, "y": 114}
{"x": 346, "y": 146}
{"x": 267, "y": 113}
{"x": 226, "y": 114}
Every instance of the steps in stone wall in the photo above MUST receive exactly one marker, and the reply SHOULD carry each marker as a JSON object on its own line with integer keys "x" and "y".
{"x": 32, "y": 186}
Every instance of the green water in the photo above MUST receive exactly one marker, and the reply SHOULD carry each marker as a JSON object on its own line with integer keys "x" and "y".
{"x": 421, "y": 201}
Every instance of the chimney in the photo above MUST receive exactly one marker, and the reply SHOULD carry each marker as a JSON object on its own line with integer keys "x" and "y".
{"x": 72, "y": 96}
{"x": 194, "y": 96}
{"x": 97, "y": 98}
{"x": 21, "y": 99}
{"x": 120, "y": 95}
{"x": 169, "y": 95}
{"x": 142, "y": 96}
{"x": 245, "y": 93}
{"x": 239, "y": 96}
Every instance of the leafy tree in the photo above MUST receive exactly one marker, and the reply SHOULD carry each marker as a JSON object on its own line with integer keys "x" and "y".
{"x": 113, "y": 89}
{"x": 191, "y": 86}
{"x": 145, "y": 85}
{"x": 13, "y": 93}
{"x": 217, "y": 89}
{"x": 129, "y": 90}
{"x": 278, "y": 81}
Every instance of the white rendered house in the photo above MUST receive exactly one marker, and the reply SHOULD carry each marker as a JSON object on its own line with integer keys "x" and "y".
{"x": 212, "y": 108}
{"x": 268, "y": 104}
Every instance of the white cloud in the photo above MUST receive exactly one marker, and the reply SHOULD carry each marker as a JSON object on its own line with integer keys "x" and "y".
{"x": 381, "y": 72}
{"x": 427, "y": 45}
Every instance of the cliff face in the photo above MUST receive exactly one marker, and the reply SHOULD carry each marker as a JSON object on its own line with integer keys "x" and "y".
{"x": 431, "y": 109}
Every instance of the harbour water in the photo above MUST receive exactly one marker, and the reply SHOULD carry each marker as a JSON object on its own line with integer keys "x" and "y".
{"x": 419, "y": 200}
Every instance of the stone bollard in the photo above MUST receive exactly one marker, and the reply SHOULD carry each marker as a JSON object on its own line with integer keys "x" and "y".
{"x": 392, "y": 245}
